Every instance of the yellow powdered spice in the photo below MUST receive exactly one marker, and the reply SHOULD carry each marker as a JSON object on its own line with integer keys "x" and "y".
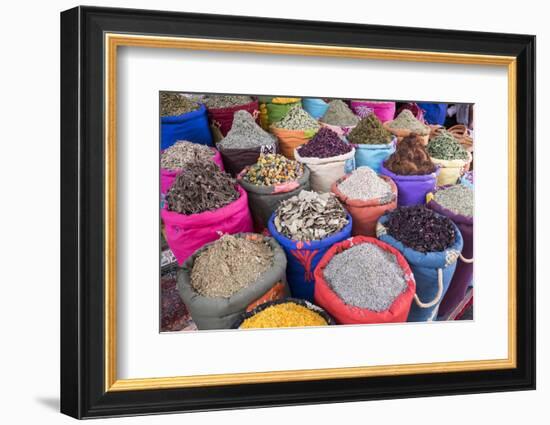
{"x": 285, "y": 315}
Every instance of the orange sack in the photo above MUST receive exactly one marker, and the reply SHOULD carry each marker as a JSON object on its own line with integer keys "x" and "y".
{"x": 365, "y": 214}
{"x": 291, "y": 139}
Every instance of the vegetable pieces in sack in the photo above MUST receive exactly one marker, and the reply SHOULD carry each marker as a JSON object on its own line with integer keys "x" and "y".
{"x": 174, "y": 104}
{"x": 421, "y": 229}
{"x": 273, "y": 169}
{"x": 229, "y": 265}
{"x": 325, "y": 144}
{"x": 201, "y": 187}
{"x": 310, "y": 216}
{"x": 410, "y": 158}
{"x": 369, "y": 131}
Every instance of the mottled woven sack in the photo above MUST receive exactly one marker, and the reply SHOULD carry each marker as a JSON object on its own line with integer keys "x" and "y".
{"x": 222, "y": 313}
{"x": 432, "y": 271}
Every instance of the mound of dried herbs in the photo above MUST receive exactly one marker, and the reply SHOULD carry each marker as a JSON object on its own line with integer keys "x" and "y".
{"x": 297, "y": 119}
{"x": 338, "y": 113}
{"x": 445, "y": 146}
{"x": 201, "y": 187}
{"x": 217, "y": 101}
{"x": 325, "y": 144}
{"x": 230, "y": 264}
{"x": 177, "y": 156}
{"x": 370, "y": 131}
{"x": 173, "y": 104}
{"x": 406, "y": 120}
{"x": 420, "y": 228}
{"x": 273, "y": 169}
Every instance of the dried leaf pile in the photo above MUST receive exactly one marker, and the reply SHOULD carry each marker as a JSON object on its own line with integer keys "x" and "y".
{"x": 310, "y": 216}
{"x": 364, "y": 184}
{"x": 201, "y": 187}
{"x": 174, "y": 104}
{"x": 325, "y": 144}
{"x": 181, "y": 153}
{"x": 421, "y": 229}
{"x": 230, "y": 264}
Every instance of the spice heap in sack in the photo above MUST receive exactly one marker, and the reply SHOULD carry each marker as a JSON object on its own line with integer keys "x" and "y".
{"x": 458, "y": 199}
{"x": 202, "y": 187}
{"x": 310, "y": 216}
{"x": 273, "y": 169}
{"x": 366, "y": 276}
{"x": 421, "y": 229}
{"x": 297, "y": 119}
{"x": 451, "y": 157}
{"x": 174, "y": 104}
{"x": 339, "y": 114}
{"x": 445, "y": 146}
{"x": 406, "y": 121}
{"x": 369, "y": 131}
{"x": 225, "y": 101}
{"x": 284, "y": 315}
{"x": 325, "y": 144}
{"x": 245, "y": 133}
{"x": 364, "y": 184}
{"x": 229, "y": 265}
{"x": 410, "y": 159}
{"x": 181, "y": 153}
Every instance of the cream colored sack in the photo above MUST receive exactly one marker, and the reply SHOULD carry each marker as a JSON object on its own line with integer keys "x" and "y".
{"x": 451, "y": 170}
{"x": 325, "y": 171}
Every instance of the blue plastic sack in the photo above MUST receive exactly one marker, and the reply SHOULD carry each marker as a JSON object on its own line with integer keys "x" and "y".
{"x": 192, "y": 126}
{"x": 434, "y": 113}
{"x": 315, "y": 107}
{"x": 373, "y": 155}
{"x": 425, "y": 268}
{"x": 303, "y": 257}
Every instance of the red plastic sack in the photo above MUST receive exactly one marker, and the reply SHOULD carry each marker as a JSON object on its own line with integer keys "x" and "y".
{"x": 187, "y": 233}
{"x": 222, "y": 118}
{"x": 345, "y": 314}
{"x": 167, "y": 177}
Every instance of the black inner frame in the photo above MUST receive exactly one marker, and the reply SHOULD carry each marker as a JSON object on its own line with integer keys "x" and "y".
{"x": 82, "y": 208}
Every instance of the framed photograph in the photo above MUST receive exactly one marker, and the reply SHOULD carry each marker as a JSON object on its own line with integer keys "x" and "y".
{"x": 261, "y": 212}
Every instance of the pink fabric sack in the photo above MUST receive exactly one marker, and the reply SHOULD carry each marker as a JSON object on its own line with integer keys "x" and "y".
{"x": 187, "y": 233}
{"x": 385, "y": 111}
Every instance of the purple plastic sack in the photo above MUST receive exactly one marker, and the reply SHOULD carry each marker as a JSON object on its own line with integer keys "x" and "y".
{"x": 464, "y": 271}
{"x": 412, "y": 190}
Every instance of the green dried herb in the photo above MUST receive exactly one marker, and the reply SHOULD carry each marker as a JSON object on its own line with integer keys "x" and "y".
{"x": 174, "y": 104}
{"x": 445, "y": 146}
{"x": 370, "y": 131}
